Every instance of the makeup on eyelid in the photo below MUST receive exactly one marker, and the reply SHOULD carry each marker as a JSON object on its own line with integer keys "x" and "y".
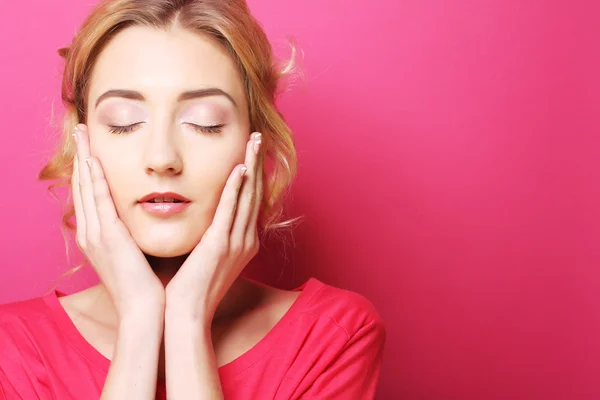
{"x": 126, "y": 114}
{"x": 203, "y": 114}
{"x": 121, "y": 114}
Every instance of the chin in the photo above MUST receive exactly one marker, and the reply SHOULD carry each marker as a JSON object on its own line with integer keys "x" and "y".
{"x": 165, "y": 247}
{"x": 166, "y": 238}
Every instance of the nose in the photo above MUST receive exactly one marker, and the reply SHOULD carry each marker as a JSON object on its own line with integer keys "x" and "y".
{"x": 162, "y": 153}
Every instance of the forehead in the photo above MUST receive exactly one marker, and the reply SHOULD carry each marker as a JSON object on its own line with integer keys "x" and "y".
{"x": 162, "y": 64}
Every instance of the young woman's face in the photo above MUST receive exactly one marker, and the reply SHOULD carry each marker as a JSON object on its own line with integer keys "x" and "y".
{"x": 177, "y": 139}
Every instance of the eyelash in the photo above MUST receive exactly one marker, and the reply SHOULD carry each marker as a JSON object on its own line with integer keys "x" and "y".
{"x": 119, "y": 130}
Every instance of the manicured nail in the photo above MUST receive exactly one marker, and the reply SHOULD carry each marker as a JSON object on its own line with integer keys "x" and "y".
{"x": 258, "y": 135}
{"x": 257, "y": 146}
{"x": 88, "y": 161}
{"x": 243, "y": 170}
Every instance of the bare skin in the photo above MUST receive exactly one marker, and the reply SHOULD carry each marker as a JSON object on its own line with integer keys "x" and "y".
{"x": 262, "y": 307}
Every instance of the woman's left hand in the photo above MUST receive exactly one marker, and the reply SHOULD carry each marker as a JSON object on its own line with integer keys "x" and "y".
{"x": 229, "y": 243}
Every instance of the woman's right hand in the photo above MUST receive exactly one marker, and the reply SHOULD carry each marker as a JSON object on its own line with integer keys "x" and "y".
{"x": 105, "y": 240}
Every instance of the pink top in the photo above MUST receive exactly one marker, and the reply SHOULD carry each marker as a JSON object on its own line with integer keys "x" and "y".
{"x": 327, "y": 346}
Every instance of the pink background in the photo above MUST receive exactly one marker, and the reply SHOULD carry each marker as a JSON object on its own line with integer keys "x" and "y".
{"x": 448, "y": 172}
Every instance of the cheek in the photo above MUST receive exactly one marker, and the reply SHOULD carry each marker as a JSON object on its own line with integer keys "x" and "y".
{"x": 109, "y": 156}
{"x": 118, "y": 177}
{"x": 207, "y": 179}
{"x": 214, "y": 168}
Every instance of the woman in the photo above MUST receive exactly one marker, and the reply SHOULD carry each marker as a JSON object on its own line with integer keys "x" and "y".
{"x": 170, "y": 116}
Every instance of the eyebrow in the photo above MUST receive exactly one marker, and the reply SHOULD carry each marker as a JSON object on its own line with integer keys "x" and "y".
{"x": 193, "y": 94}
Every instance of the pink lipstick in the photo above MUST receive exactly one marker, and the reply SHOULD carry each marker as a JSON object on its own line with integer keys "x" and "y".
{"x": 164, "y": 204}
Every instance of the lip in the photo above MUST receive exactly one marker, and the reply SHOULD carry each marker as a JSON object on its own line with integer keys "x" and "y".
{"x": 172, "y": 195}
{"x": 164, "y": 209}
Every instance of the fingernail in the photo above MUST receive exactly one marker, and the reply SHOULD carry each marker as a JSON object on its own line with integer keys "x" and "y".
{"x": 243, "y": 170}
{"x": 257, "y": 146}
{"x": 75, "y": 135}
{"x": 258, "y": 135}
{"x": 88, "y": 161}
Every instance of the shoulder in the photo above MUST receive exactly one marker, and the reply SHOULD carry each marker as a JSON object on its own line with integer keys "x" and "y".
{"x": 23, "y": 322}
{"x": 350, "y": 311}
{"x": 24, "y": 312}
{"x": 23, "y": 326}
{"x": 337, "y": 338}
{"x": 26, "y": 329}
{"x": 344, "y": 343}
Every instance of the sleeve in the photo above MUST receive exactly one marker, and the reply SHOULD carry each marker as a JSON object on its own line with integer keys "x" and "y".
{"x": 7, "y": 391}
{"x": 354, "y": 373}
{"x": 19, "y": 379}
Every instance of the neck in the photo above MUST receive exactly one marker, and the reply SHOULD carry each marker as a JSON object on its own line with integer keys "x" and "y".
{"x": 166, "y": 268}
{"x": 236, "y": 296}
{"x": 241, "y": 295}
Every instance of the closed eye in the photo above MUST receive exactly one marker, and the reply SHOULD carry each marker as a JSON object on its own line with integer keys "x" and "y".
{"x": 207, "y": 128}
{"x": 119, "y": 129}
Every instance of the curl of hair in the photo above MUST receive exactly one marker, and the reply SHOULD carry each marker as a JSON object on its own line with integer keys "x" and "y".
{"x": 231, "y": 24}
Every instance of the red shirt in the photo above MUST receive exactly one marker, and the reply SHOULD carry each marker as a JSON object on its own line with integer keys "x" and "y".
{"x": 327, "y": 346}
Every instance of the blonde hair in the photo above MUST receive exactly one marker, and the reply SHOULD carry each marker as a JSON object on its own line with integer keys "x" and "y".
{"x": 232, "y": 25}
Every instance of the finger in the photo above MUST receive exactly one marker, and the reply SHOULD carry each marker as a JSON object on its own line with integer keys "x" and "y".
{"x": 77, "y": 204}
{"x": 228, "y": 203}
{"x": 259, "y": 189}
{"x": 85, "y": 181}
{"x": 105, "y": 206}
{"x": 247, "y": 193}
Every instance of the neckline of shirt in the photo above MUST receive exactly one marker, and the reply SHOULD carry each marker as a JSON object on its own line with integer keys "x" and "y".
{"x": 308, "y": 289}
